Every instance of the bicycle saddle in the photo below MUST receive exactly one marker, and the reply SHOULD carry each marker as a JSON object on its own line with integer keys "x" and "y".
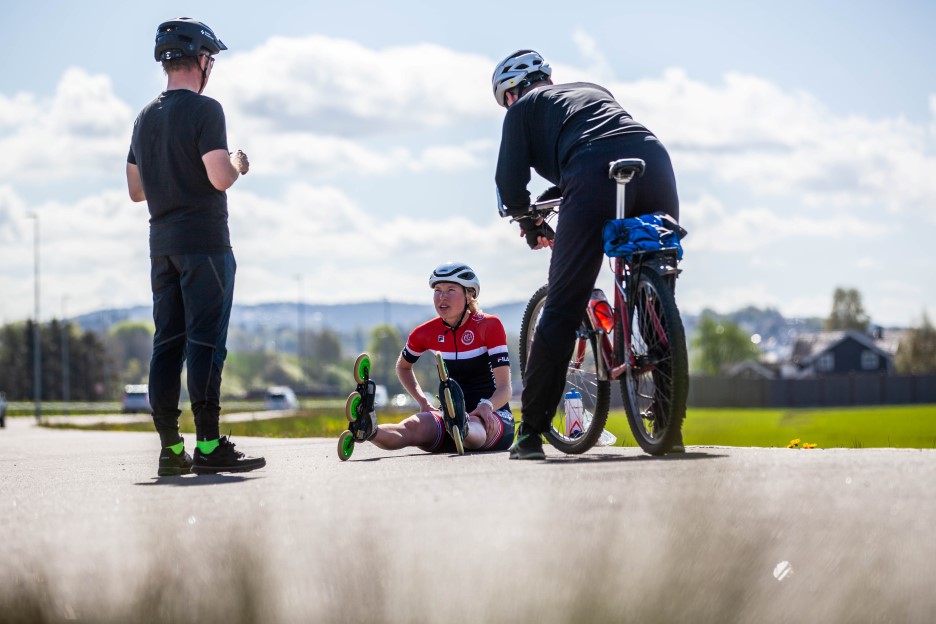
{"x": 626, "y": 168}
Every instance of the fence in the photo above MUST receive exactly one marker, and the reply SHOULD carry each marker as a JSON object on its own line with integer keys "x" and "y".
{"x": 832, "y": 391}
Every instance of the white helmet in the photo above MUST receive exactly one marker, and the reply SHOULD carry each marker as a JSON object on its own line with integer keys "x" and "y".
{"x": 514, "y": 70}
{"x": 457, "y": 273}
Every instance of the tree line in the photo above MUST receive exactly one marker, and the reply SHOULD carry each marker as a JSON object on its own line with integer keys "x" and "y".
{"x": 99, "y": 365}
{"x": 75, "y": 364}
{"x": 319, "y": 362}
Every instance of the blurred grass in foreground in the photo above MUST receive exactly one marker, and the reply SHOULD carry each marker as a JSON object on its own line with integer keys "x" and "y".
{"x": 865, "y": 427}
{"x": 672, "y": 557}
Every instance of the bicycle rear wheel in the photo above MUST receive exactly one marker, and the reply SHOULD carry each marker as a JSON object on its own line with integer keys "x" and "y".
{"x": 582, "y": 375}
{"x": 655, "y": 388}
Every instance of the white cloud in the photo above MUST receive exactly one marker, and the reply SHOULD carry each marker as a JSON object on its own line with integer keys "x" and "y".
{"x": 94, "y": 251}
{"x": 713, "y": 227}
{"x": 309, "y": 105}
{"x": 325, "y": 156}
{"x": 13, "y": 216}
{"x": 597, "y": 63}
{"x": 343, "y": 253}
{"x": 339, "y": 87}
{"x": 749, "y": 132}
{"x": 81, "y": 130}
{"x": 16, "y": 111}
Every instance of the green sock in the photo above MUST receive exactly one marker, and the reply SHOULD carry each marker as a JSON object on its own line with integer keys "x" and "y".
{"x": 177, "y": 448}
{"x": 207, "y": 446}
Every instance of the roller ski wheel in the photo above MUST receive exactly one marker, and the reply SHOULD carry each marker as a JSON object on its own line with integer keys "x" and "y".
{"x": 345, "y": 445}
{"x": 352, "y": 405}
{"x": 456, "y": 437}
{"x": 454, "y": 417}
{"x": 362, "y": 368}
{"x": 359, "y": 409}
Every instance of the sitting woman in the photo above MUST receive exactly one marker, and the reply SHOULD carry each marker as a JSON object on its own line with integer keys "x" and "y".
{"x": 474, "y": 347}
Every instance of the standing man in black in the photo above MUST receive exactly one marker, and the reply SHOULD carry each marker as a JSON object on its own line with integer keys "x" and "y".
{"x": 180, "y": 165}
{"x": 568, "y": 133}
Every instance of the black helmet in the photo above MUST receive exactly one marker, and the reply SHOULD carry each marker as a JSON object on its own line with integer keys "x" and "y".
{"x": 185, "y": 36}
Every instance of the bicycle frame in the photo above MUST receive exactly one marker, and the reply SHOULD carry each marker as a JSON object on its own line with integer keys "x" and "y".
{"x": 603, "y": 320}
{"x": 609, "y": 368}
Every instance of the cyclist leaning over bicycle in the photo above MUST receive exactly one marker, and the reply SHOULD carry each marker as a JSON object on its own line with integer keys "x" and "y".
{"x": 567, "y": 133}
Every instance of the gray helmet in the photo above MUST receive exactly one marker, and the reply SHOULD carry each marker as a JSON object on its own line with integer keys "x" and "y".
{"x": 185, "y": 36}
{"x": 457, "y": 273}
{"x": 517, "y": 70}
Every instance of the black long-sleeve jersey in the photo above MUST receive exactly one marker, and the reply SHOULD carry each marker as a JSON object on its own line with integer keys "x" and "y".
{"x": 544, "y": 127}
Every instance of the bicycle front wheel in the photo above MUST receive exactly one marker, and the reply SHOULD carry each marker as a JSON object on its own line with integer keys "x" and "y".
{"x": 656, "y": 384}
{"x": 569, "y": 434}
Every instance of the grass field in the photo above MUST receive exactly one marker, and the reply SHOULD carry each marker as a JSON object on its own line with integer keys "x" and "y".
{"x": 860, "y": 427}
{"x": 865, "y": 427}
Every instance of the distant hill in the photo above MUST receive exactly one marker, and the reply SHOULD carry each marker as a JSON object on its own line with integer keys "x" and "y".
{"x": 342, "y": 318}
{"x": 353, "y": 321}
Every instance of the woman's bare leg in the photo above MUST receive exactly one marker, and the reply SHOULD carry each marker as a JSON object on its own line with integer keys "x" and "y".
{"x": 417, "y": 430}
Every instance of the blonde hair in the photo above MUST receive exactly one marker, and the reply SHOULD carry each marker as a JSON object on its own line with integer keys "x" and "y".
{"x": 473, "y": 306}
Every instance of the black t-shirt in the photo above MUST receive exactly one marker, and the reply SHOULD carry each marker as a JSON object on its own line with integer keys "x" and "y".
{"x": 544, "y": 127}
{"x": 170, "y": 136}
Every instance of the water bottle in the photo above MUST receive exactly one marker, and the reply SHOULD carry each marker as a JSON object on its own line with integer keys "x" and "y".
{"x": 573, "y": 413}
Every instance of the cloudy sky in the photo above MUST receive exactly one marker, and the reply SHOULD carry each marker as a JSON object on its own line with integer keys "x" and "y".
{"x": 802, "y": 136}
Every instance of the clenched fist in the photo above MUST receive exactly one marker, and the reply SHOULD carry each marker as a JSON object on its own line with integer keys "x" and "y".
{"x": 240, "y": 162}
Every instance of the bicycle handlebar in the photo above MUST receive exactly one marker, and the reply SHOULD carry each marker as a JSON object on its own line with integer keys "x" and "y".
{"x": 537, "y": 210}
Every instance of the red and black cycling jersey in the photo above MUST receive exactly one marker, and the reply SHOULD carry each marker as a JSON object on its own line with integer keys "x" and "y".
{"x": 471, "y": 353}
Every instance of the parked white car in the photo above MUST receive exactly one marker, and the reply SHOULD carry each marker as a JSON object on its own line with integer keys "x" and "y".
{"x": 135, "y": 399}
{"x": 381, "y": 398}
{"x": 281, "y": 398}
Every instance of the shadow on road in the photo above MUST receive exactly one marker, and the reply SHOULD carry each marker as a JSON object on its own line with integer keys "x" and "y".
{"x": 394, "y": 456}
{"x": 196, "y": 480}
{"x": 693, "y": 456}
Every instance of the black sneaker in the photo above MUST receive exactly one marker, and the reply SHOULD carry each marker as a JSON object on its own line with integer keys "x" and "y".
{"x": 172, "y": 464}
{"x": 678, "y": 446}
{"x": 529, "y": 445}
{"x": 225, "y": 459}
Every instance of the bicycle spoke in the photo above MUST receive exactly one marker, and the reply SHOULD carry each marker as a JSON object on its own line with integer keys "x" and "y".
{"x": 581, "y": 377}
{"x": 651, "y": 388}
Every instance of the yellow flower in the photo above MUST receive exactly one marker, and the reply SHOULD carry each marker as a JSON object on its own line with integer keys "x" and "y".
{"x": 808, "y": 445}
{"x": 793, "y": 443}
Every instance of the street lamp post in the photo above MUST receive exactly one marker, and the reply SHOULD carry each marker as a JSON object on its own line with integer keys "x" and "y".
{"x": 37, "y": 352}
{"x": 300, "y": 322}
{"x": 66, "y": 372}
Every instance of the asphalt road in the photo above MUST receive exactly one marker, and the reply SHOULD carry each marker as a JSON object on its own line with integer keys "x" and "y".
{"x": 89, "y": 533}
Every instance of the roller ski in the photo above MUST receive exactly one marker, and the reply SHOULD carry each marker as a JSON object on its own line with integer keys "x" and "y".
{"x": 359, "y": 409}
{"x": 454, "y": 417}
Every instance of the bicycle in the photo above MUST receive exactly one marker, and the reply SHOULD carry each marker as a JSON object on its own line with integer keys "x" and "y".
{"x": 639, "y": 341}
